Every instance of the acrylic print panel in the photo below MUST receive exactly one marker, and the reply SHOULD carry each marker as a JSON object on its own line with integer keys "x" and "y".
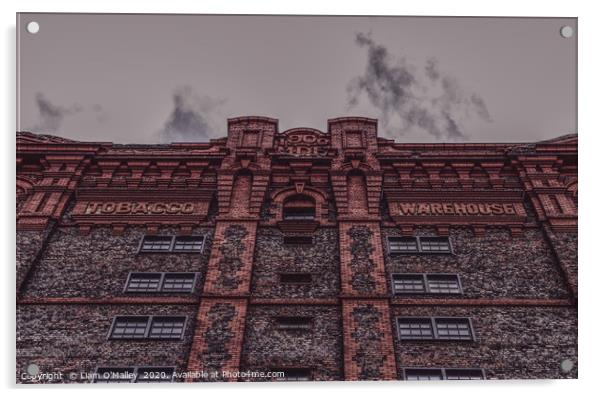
{"x": 295, "y": 198}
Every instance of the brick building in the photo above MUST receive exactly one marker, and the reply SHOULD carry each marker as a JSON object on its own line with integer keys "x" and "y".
{"x": 331, "y": 255}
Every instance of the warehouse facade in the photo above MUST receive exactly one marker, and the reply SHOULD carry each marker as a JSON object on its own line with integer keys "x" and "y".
{"x": 295, "y": 255}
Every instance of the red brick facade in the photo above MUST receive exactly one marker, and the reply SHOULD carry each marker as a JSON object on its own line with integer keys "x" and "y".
{"x": 318, "y": 206}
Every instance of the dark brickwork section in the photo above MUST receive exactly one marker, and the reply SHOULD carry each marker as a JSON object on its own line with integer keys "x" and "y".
{"x": 73, "y": 338}
{"x": 273, "y": 257}
{"x": 231, "y": 250}
{"x": 29, "y": 250}
{"x": 361, "y": 263}
{"x": 319, "y": 348}
{"x": 370, "y": 337}
{"x": 493, "y": 266}
{"x": 217, "y": 336}
{"x": 511, "y": 342}
{"x": 98, "y": 264}
{"x": 565, "y": 248}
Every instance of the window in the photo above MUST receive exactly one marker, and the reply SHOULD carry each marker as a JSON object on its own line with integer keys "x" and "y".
{"x": 435, "y": 328}
{"x": 443, "y": 373}
{"x": 297, "y": 240}
{"x": 464, "y": 374}
{"x": 293, "y": 323}
{"x": 426, "y": 283}
{"x": 156, "y": 244}
{"x": 299, "y": 207}
{"x": 145, "y": 327}
{"x": 294, "y": 374}
{"x": 426, "y": 245}
{"x": 423, "y": 374}
{"x": 167, "y": 327}
{"x": 453, "y": 328}
{"x": 133, "y": 374}
{"x": 143, "y": 282}
{"x": 295, "y": 278}
{"x": 443, "y": 284}
{"x": 161, "y": 282}
{"x": 435, "y": 244}
{"x": 400, "y": 245}
{"x": 178, "y": 282}
{"x": 191, "y": 244}
{"x": 415, "y": 328}
{"x": 408, "y": 284}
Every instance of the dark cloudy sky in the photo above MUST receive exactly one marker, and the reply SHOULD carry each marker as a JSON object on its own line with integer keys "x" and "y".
{"x": 162, "y": 78}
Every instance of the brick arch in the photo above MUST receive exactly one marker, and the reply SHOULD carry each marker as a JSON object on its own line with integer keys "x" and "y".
{"x": 316, "y": 195}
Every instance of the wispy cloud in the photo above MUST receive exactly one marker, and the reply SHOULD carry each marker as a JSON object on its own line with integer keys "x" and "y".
{"x": 191, "y": 116}
{"x": 50, "y": 115}
{"x": 414, "y": 97}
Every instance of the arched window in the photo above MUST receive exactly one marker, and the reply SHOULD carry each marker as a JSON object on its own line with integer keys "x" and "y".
{"x": 299, "y": 207}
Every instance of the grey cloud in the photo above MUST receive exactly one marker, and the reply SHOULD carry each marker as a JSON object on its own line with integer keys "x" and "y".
{"x": 191, "y": 117}
{"x": 408, "y": 96}
{"x": 51, "y": 116}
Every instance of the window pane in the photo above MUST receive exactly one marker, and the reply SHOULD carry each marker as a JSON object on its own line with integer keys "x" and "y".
{"x": 407, "y": 284}
{"x": 453, "y": 328}
{"x": 143, "y": 282}
{"x": 291, "y": 323}
{"x": 423, "y": 374}
{"x": 156, "y": 243}
{"x": 167, "y": 327}
{"x": 402, "y": 245}
{"x": 443, "y": 284}
{"x": 415, "y": 328}
{"x": 178, "y": 282}
{"x": 435, "y": 244}
{"x": 464, "y": 374}
{"x": 114, "y": 375}
{"x": 299, "y": 213}
{"x": 189, "y": 243}
{"x": 154, "y": 374}
{"x": 129, "y": 328}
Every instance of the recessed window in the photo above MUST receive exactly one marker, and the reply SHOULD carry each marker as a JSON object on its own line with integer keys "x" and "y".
{"x": 426, "y": 283}
{"x": 180, "y": 244}
{"x": 443, "y": 284}
{"x": 295, "y": 278}
{"x": 453, "y": 328}
{"x": 145, "y": 327}
{"x": 435, "y": 328}
{"x": 435, "y": 244}
{"x": 443, "y": 373}
{"x": 408, "y": 284}
{"x": 423, "y": 374}
{"x": 125, "y": 327}
{"x": 294, "y": 323}
{"x": 299, "y": 207}
{"x": 156, "y": 244}
{"x": 426, "y": 245}
{"x": 294, "y": 374}
{"x": 415, "y": 328}
{"x": 134, "y": 374}
{"x": 188, "y": 244}
{"x": 297, "y": 240}
{"x": 464, "y": 374}
{"x": 143, "y": 282}
{"x": 160, "y": 282}
{"x": 178, "y": 282}
{"x": 402, "y": 245}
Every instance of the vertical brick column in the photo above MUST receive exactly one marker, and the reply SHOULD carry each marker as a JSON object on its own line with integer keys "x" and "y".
{"x": 368, "y": 350}
{"x": 242, "y": 184}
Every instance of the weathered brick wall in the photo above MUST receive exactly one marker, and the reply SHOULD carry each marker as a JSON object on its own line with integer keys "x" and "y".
{"x": 511, "y": 342}
{"x": 493, "y": 266}
{"x": 564, "y": 245}
{"x": 272, "y": 257}
{"x": 97, "y": 264}
{"x": 30, "y": 245}
{"x": 68, "y": 338}
{"x": 320, "y": 348}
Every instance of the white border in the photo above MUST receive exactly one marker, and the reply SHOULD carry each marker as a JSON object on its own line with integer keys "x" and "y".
{"x": 590, "y": 68}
